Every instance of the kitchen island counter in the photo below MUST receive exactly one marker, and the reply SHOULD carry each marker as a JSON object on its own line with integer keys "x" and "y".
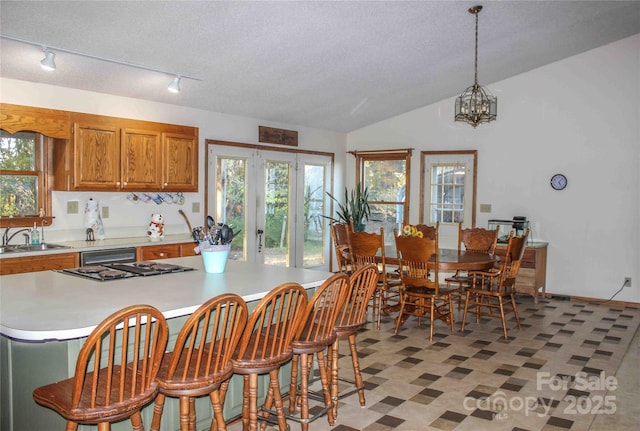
{"x": 49, "y": 305}
{"x": 46, "y": 316}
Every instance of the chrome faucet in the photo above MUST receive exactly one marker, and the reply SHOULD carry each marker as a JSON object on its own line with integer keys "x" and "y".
{"x": 6, "y": 239}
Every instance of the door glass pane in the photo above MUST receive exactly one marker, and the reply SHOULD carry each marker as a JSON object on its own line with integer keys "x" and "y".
{"x": 277, "y": 196}
{"x": 447, "y": 193}
{"x": 231, "y": 200}
{"x": 314, "y": 223}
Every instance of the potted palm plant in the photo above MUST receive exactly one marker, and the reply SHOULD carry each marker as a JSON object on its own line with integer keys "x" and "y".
{"x": 355, "y": 208}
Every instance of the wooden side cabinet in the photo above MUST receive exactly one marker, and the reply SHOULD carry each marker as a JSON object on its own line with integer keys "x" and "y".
{"x": 19, "y": 265}
{"x": 533, "y": 270}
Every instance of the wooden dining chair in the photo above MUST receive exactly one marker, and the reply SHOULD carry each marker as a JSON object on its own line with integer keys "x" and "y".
{"x": 490, "y": 289}
{"x": 420, "y": 293}
{"x": 341, "y": 246}
{"x": 368, "y": 248}
{"x": 363, "y": 284}
{"x": 428, "y": 231}
{"x": 315, "y": 335}
{"x": 200, "y": 363}
{"x": 475, "y": 239}
{"x": 115, "y": 374}
{"x": 265, "y": 346}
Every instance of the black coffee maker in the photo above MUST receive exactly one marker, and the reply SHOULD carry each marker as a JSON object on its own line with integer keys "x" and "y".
{"x": 520, "y": 224}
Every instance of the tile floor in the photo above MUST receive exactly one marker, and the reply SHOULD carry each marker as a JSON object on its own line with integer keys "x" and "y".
{"x": 572, "y": 366}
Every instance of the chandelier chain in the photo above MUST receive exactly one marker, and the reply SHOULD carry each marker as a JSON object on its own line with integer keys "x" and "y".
{"x": 476, "y": 62}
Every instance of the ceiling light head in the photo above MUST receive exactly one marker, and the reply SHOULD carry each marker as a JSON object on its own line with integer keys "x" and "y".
{"x": 49, "y": 60}
{"x": 174, "y": 87}
{"x": 476, "y": 105}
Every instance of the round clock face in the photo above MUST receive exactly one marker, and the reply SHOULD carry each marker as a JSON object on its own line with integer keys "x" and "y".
{"x": 558, "y": 182}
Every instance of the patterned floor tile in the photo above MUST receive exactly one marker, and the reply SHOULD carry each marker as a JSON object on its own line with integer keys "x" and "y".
{"x": 477, "y": 380}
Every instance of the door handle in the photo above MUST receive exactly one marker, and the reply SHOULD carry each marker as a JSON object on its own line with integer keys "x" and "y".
{"x": 260, "y": 232}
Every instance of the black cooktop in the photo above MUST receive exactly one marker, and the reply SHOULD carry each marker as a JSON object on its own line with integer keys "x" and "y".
{"x": 117, "y": 271}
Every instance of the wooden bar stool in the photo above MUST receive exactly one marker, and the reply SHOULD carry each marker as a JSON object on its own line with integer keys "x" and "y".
{"x": 129, "y": 346}
{"x": 201, "y": 360}
{"x": 316, "y": 335}
{"x": 362, "y": 286}
{"x": 265, "y": 346}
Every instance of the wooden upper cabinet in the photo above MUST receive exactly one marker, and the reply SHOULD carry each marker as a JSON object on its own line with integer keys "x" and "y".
{"x": 114, "y": 154}
{"x": 180, "y": 171}
{"x": 141, "y": 160}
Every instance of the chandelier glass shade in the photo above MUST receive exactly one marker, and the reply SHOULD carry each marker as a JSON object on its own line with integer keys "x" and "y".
{"x": 476, "y": 105}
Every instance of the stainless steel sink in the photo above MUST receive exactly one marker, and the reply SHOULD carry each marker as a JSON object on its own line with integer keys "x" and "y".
{"x": 26, "y": 248}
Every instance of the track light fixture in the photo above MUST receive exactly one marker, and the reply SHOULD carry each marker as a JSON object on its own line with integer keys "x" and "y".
{"x": 49, "y": 60}
{"x": 174, "y": 87}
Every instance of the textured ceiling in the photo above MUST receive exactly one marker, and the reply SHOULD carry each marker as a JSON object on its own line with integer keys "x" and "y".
{"x": 337, "y": 65}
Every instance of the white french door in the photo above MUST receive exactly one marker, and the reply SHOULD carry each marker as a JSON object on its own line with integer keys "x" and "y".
{"x": 276, "y": 200}
{"x": 448, "y": 191}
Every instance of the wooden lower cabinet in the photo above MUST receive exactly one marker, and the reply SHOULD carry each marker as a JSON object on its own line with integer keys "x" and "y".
{"x": 533, "y": 269}
{"x": 18, "y": 265}
{"x": 165, "y": 251}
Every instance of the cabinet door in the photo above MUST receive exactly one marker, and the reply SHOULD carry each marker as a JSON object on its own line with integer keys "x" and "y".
{"x": 19, "y": 265}
{"x": 141, "y": 160}
{"x": 180, "y": 162}
{"x": 97, "y": 158}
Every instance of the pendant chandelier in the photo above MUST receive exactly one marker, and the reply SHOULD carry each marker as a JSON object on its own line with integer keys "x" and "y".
{"x": 476, "y": 105}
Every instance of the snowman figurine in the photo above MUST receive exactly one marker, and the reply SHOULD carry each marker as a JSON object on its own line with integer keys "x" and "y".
{"x": 156, "y": 227}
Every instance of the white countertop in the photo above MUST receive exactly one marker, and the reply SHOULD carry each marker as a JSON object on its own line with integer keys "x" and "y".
{"x": 48, "y": 305}
{"x": 105, "y": 244}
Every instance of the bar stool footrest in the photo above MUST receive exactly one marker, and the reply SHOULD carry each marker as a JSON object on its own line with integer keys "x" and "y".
{"x": 351, "y": 391}
{"x": 294, "y": 418}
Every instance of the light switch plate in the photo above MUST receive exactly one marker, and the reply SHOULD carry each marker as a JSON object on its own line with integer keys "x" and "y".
{"x": 72, "y": 207}
{"x": 105, "y": 212}
{"x": 485, "y": 208}
{"x": 195, "y": 207}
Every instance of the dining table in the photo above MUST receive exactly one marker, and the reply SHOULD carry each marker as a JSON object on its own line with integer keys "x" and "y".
{"x": 457, "y": 260}
{"x": 462, "y": 260}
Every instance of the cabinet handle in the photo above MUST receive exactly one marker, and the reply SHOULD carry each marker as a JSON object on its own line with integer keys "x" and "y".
{"x": 161, "y": 254}
{"x": 166, "y": 184}
{"x": 125, "y": 184}
{"x": 117, "y": 183}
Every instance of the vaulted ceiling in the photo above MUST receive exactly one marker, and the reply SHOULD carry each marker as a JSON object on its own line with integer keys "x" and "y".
{"x": 337, "y": 65}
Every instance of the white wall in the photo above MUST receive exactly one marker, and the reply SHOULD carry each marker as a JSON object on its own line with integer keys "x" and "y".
{"x": 128, "y": 219}
{"x": 578, "y": 116}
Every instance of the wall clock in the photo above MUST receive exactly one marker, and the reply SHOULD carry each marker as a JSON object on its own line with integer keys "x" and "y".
{"x": 558, "y": 182}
